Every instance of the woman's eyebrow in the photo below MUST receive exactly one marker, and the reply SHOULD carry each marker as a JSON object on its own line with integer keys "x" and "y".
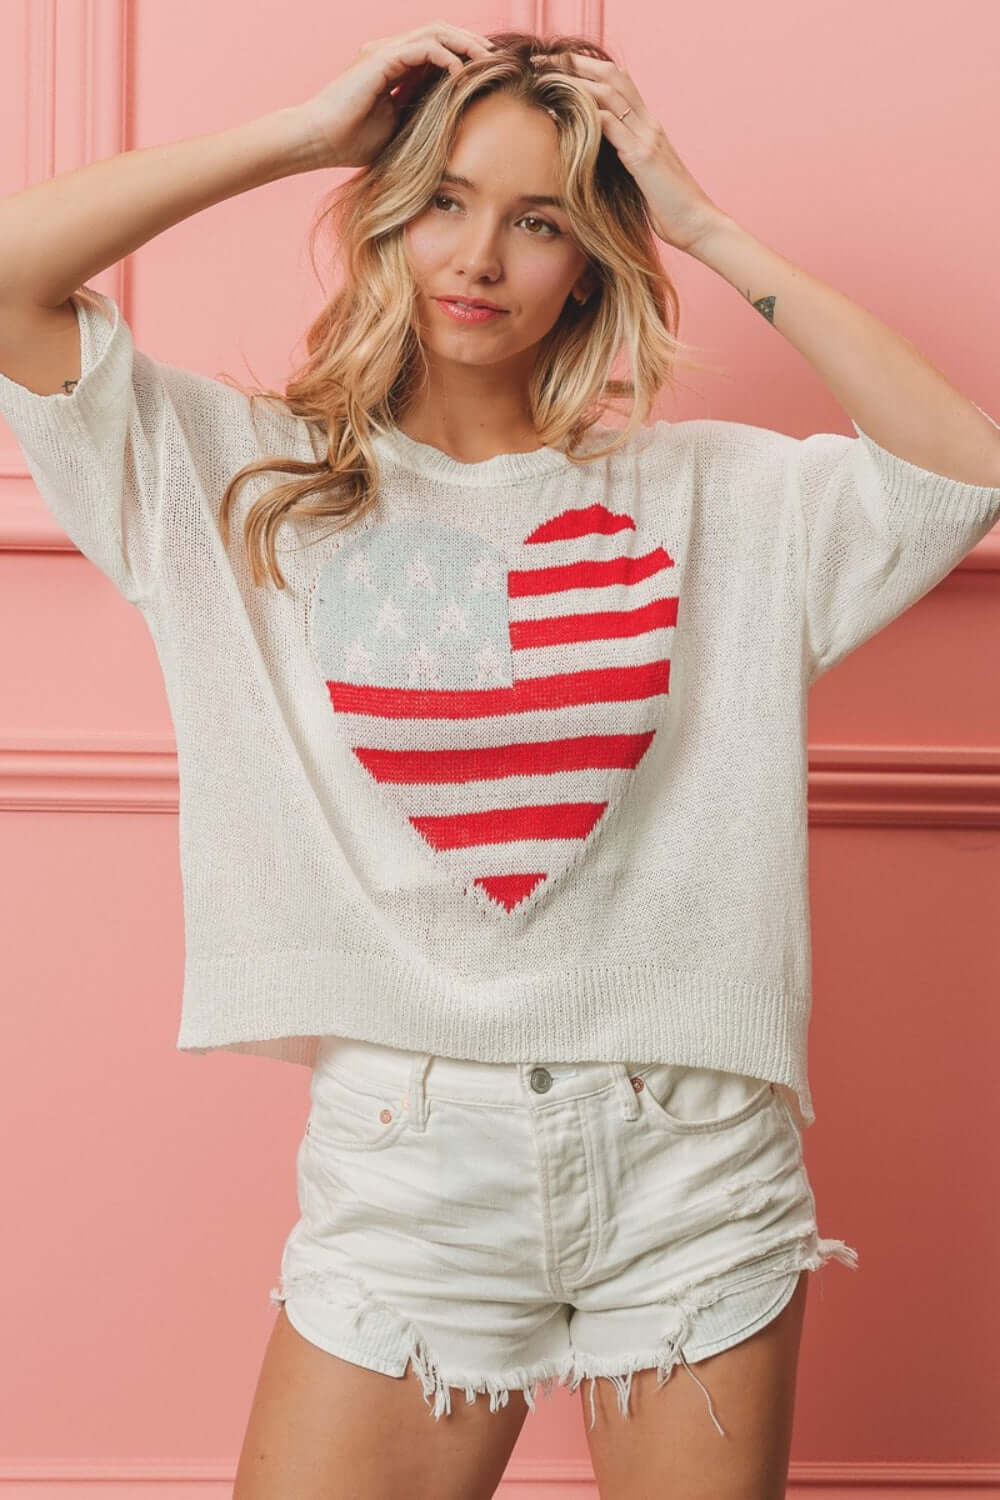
{"x": 539, "y": 198}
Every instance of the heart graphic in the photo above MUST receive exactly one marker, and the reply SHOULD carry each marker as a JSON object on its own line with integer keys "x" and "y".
{"x": 500, "y": 709}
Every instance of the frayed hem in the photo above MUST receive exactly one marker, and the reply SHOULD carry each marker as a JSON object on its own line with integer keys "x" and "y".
{"x": 529, "y": 1380}
{"x": 353, "y": 1295}
{"x": 687, "y": 1302}
{"x": 664, "y": 1358}
{"x": 664, "y": 1363}
{"x": 573, "y": 1369}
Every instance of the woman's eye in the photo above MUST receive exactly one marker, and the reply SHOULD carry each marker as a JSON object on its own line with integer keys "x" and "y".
{"x": 544, "y": 222}
{"x": 526, "y": 218}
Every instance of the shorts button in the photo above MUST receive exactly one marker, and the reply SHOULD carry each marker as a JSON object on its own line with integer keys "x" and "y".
{"x": 637, "y": 1084}
{"x": 541, "y": 1080}
{"x": 385, "y": 1115}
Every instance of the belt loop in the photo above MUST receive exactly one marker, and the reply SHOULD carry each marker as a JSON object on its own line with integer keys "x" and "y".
{"x": 417, "y": 1096}
{"x": 623, "y": 1081}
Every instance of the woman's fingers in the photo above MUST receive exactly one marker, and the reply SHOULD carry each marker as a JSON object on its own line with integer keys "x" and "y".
{"x": 601, "y": 75}
{"x": 351, "y": 120}
{"x": 464, "y": 42}
{"x": 448, "y": 48}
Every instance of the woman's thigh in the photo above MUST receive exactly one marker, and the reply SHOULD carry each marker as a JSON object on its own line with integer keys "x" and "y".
{"x": 667, "y": 1450}
{"x": 323, "y": 1428}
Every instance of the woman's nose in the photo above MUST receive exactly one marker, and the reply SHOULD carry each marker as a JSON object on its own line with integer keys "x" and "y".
{"x": 479, "y": 253}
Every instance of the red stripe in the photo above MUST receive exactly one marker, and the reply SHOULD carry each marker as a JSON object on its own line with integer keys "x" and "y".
{"x": 508, "y": 889}
{"x": 560, "y": 820}
{"x": 586, "y": 575}
{"x": 557, "y": 629}
{"x": 586, "y": 752}
{"x": 589, "y": 520}
{"x": 563, "y": 689}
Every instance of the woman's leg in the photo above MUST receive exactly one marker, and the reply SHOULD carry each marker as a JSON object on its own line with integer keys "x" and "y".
{"x": 667, "y": 1448}
{"x": 322, "y": 1428}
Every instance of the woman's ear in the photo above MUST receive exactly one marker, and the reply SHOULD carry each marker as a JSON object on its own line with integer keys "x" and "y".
{"x": 586, "y": 286}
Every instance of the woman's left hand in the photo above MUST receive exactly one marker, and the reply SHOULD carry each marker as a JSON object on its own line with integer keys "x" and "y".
{"x": 679, "y": 209}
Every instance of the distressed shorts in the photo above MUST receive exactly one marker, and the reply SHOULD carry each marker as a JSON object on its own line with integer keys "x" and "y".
{"x": 510, "y": 1226}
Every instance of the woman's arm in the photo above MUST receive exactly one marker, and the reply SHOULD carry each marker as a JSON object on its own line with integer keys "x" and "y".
{"x": 57, "y": 234}
{"x": 888, "y": 389}
{"x": 883, "y": 383}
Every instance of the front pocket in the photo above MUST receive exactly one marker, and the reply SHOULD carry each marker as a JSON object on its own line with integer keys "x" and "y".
{"x": 346, "y": 1118}
{"x": 692, "y": 1100}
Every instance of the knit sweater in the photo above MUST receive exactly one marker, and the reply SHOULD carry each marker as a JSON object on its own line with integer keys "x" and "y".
{"x": 515, "y": 767}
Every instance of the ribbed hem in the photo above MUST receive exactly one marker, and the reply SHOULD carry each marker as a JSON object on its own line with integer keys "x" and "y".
{"x": 643, "y": 1012}
{"x": 45, "y": 416}
{"x": 924, "y": 498}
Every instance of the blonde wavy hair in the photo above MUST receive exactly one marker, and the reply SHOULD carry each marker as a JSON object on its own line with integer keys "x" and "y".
{"x": 365, "y": 357}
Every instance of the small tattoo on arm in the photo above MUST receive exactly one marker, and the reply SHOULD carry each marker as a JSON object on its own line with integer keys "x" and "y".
{"x": 765, "y": 306}
{"x": 69, "y": 386}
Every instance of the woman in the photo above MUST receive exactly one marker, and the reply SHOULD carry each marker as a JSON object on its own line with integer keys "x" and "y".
{"x": 532, "y": 837}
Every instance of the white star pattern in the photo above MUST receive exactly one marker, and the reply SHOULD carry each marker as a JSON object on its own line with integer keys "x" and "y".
{"x": 409, "y": 582}
{"x": 486, "y": 574}
{"x": 452, "y": 620}
{"x": 389, "y": 618}
{"x": 490, "y": 666}
{"x": 359, "y": 569}
{"x": 357, "y": 661}
{"x": 422, "y": 667}
{"x": 419, "y": 575}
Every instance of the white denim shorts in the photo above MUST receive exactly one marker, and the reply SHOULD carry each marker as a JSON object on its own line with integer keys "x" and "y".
{"x": 510, "y": 1226}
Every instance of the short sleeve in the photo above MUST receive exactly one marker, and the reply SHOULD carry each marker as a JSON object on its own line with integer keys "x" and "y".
{"x": 133, "y": 435}
{"x": 880, "y": 534}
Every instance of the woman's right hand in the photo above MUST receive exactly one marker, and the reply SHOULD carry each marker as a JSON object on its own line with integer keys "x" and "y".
{"x": 352, "y": 119}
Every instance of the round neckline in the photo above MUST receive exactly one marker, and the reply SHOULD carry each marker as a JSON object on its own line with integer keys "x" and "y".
{"x": 433, "y": 463}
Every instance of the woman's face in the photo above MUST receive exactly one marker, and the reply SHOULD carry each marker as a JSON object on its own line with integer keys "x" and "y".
{"x": 483, "y": 237}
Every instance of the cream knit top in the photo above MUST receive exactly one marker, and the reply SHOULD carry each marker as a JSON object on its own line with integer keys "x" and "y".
{"x": 515, "y": 767}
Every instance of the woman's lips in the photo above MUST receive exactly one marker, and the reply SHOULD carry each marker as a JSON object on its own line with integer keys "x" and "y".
{"x": 463, "y": 314}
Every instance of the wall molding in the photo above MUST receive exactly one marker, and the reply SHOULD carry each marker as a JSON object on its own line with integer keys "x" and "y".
{"x": 905, "y": 786}
{"x": 535, "y": 1479}
{"x": 74, "y": 56}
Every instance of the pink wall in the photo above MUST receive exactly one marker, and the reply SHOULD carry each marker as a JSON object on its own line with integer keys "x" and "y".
{"x": 147, "y": 1195}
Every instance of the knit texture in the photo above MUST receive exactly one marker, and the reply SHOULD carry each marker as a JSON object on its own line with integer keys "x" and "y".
{"x": 514, "y": 768}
